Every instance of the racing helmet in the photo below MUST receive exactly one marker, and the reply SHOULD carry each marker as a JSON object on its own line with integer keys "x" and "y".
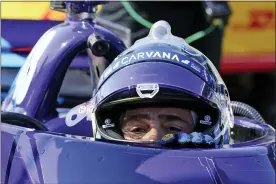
{"x": 162, "y": 70}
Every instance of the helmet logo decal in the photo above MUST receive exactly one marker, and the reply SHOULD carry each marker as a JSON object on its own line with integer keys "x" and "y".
{"x": 160, "y": 55}
{"x": 206, "y": 121}
{"x": 147, "y": 55}
{"x": 147, "y": 90}
{"x": 78, "y": 113}
{"x": 108, "y": 124}
{"x": 135, "y": 57}
{"x": 185, "y": 61}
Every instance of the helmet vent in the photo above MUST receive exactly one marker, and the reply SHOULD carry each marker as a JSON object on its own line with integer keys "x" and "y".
{"x": 147, "y": 90}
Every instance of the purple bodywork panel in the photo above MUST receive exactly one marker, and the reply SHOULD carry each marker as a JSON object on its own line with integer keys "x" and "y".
{"x": 83, "y": 128}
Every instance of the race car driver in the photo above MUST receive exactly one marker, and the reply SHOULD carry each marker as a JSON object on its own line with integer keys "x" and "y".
{"x": 153, "y": 123}
{"x": 161, "y": 86}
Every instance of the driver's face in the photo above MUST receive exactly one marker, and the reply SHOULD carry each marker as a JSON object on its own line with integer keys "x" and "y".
{"x": 151, "y": 124}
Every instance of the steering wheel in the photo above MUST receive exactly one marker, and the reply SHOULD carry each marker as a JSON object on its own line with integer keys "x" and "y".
{"x": 22, "y": 120}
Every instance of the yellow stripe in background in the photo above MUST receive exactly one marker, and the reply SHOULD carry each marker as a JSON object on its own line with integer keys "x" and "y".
{"x": 24, "y": 10}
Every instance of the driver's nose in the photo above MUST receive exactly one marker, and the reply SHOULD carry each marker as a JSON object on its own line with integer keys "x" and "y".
{"x": 153, "y": 135}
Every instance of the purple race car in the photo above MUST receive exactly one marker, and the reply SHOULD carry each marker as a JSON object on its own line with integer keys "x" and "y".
{"x": 44, "y": 143}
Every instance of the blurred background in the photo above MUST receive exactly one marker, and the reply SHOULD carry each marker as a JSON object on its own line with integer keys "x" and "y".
{"x": 246, "y": 49}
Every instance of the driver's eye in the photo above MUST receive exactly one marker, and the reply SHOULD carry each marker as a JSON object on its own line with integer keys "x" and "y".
{"x": 174, "y": 129}
{"x": 138, "y": 130}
